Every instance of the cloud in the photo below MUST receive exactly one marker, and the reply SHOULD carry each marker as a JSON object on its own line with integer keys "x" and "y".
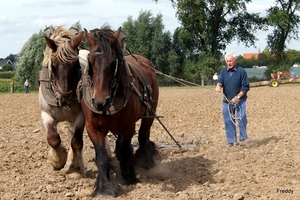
{"x": 51, "y": 3}
{"x": 20, "y": 19}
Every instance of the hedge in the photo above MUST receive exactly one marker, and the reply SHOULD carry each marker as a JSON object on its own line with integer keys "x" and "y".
{"x": 7, "y": 74}
{"x": 5, "y": 86}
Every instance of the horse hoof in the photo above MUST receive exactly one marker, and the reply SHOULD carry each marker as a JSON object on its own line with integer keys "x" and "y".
{"x": 132, "y": 181}
{"x": 74, "y": 176}
{"x": 56, "y": 165}
{"x": 57, "y": 158}
{"x": 55, "y": 168}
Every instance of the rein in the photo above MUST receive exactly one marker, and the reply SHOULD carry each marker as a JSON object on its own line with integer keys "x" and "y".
{"x": 233, "y": 116}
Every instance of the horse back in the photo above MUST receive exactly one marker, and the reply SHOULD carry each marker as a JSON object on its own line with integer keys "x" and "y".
{"x": 146, "y": 70}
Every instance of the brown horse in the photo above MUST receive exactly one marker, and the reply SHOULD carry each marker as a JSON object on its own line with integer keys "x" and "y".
{"x": 118, "y": 91}
{"x": 58, "y": 102}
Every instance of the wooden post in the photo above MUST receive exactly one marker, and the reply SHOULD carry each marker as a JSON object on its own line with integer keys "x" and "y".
{"x": 12, "y": 86}
{"x": 202, "y": 79}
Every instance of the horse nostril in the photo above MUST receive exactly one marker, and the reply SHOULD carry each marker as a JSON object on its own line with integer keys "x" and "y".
{"x": 106, "y": 102}
{"x": 101, "y": 105}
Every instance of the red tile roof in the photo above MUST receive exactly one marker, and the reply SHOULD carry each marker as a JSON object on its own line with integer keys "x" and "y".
{"x": 251, "y": 55}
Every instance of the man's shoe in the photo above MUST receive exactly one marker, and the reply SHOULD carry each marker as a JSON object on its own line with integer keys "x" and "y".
{"x": 228, "y": 145}
{"x": 242, "y": 142}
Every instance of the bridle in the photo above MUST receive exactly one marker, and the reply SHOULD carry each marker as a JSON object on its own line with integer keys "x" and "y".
{"x": 100, "y": 53}
{"x": 55, "y": 92}
{"x": 85, "y": 88}
{"x": 55, "y": 87}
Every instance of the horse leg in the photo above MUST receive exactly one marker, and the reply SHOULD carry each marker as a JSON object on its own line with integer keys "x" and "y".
{"x": 124, "y": 153}
{"x": 74, "y": 167}
{"x": 147, "y": 151}
{"x": 57, "y": 155}
{"x": 106, "y": 183}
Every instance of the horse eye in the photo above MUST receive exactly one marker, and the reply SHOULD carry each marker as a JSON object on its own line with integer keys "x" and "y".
{"x": 112, "y": 65}
{"x": 90, "y": 71}
{"x": 53, "y": 68}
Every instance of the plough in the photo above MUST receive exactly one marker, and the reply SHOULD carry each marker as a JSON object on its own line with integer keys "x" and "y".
{"x": 277, "y": 79}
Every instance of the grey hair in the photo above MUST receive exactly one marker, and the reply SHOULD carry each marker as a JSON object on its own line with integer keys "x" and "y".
{"x": 231, "y": 54}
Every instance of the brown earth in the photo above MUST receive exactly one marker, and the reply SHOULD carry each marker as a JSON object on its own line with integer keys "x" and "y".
{"x": 201, "y": 170}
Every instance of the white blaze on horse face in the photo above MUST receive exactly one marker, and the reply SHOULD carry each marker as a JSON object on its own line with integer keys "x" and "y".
{"x": 83, "y": 60}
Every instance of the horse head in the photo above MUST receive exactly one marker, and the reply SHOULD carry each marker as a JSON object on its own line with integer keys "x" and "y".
{"x": 105, "y": 59}
{"x": 61, "y": 59}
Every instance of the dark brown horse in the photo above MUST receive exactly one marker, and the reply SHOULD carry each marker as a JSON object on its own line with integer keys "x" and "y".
{"x": 118, "y": 91}
{"x": 58, "y": 102}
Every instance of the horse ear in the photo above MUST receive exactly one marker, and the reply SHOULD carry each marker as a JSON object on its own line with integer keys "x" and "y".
{"x": 74, "y": 30}
{"x": 117, "y": 33}
{"x": 77, "y": 40}
{"x": 115, "y": 37}
{"x": 122, "y": 38}
{"x": 51, "y": 44}
{"x": 89, "y": 38}
{"x": 48, "y": 31}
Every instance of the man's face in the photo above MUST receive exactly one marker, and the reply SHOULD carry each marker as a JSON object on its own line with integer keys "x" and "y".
{"x": 231, "y": 62}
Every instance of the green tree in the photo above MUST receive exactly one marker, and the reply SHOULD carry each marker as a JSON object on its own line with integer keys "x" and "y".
{"x": 146, "y": 36}
{"x": 208, "y": 26}
{"x": 205, "y": 67}
{"x": 29, "y": 59}
{"x": 179, "y": 53}
{"x": 246, "y": 63}
{"x": 11, "y": 57}
{"x": 77, "y": 25}
{"x": 285, "y": 22}
{"x": 293, "y": 56}
{"x": 263, "y": 59}
{"x": 7, "y": 67}
{"x": 283, "y": 17}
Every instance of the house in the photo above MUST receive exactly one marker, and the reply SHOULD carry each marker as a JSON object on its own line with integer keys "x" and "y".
{"x": 251, "y": 55}
{"x": 4, "y": 62}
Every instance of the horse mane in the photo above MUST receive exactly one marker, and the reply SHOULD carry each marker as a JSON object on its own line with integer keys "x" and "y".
{"x": 64, "y": 53}
{"x": 102, "y": 37}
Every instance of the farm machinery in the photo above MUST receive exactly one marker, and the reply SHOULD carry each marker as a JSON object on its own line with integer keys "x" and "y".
{"x": 279, "y": 76}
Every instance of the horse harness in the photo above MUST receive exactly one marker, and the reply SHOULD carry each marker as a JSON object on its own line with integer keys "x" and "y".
{"x": 117, "y": 101}
{"x": 50, "y": 91}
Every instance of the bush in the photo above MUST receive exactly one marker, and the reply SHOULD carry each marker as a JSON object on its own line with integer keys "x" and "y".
{"x": 5, "y": 85}
{"x": 7, "y": 74}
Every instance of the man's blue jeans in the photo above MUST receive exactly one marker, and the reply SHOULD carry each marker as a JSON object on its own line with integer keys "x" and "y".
{"x": 229, "y": 112}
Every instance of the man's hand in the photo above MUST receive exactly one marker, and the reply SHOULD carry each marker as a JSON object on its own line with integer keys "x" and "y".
{"x": 218, "y": 87}
{"x": 234, "y": 100}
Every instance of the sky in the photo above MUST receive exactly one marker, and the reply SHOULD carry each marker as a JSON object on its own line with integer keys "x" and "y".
{"x": 20, "y": 19}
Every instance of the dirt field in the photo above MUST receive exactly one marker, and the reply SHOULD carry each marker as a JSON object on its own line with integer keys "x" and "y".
{"x": 267, "y": 168}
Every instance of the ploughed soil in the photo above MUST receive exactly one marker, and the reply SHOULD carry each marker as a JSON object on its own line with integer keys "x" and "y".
{"x": 266, "y": 168}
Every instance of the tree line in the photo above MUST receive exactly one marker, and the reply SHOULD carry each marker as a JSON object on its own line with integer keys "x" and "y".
{"x": 194, "y": 49}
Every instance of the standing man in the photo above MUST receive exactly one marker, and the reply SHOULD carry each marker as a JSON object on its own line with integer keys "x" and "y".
{"x": 215, "y": 78}
{"x": 234, "y": 81}
{"x": 26, "y": 86}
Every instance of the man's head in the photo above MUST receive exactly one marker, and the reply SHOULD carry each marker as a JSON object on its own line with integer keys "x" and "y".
{"x": 231, "y": 60}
